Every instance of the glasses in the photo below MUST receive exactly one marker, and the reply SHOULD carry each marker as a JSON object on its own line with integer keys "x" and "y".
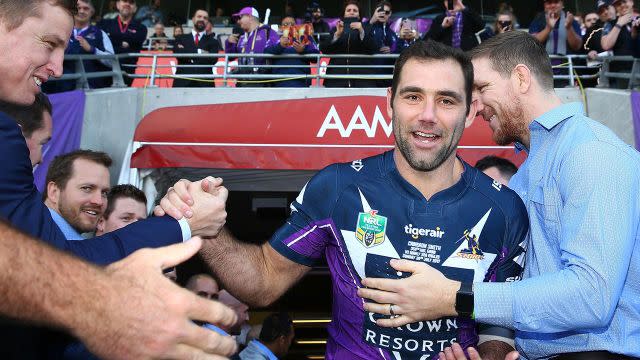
{"x": 386, "y": 12}
{"x": 288, "y": 24}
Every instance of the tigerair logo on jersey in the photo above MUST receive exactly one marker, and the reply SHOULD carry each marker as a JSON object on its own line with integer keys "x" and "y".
{"x": 417, "y": 232}
{"x": 472, "y": 250}
{"x": 371, "y": 228}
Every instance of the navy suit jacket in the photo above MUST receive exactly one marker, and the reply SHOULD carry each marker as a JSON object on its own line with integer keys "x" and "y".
{"x": 21, "y": 204}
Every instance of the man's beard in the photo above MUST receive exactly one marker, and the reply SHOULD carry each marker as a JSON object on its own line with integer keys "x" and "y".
{"x": 72, "y": 216}
{"x": 511, "y": 124}
{"x": 441, "y": 156}
{"x": 199, "y": 26}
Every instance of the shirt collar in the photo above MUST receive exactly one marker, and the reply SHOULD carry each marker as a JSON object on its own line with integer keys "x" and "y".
{"x": 553, "y": 117}
{"x": 69, "y": 232}
{"x": 264, "y": 350}
{"x": 193, "y": 33}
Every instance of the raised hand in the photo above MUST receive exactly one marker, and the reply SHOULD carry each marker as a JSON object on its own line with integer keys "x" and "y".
{"x": 146, "y": 316}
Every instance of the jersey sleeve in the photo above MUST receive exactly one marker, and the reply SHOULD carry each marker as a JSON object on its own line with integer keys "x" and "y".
{"x": 510, "y": 261}
{"x": 309, "y": 228}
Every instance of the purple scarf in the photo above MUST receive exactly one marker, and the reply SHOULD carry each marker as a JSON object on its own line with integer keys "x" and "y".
{"x": 456, "y": 36}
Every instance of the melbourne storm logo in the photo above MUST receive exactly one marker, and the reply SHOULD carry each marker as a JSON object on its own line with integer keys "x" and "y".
{"x": 472, "y": 251}
{"x": 371, "y": 228}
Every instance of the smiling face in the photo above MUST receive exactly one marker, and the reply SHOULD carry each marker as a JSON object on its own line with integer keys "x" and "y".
{"x": 85, "y": 12}
{"x": 126, "y": 8}
{"x": 83, "y": 200}
{"x": 32, "y": 52}
{"x": 429, "y": 112}
{"x": 498, "y": 104}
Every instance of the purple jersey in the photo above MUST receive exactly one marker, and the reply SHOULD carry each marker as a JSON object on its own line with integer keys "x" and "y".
{"x": 359, "y": 215}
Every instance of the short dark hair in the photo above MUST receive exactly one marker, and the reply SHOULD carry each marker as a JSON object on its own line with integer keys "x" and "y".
{"x": 430, "y": 50}
{"x": 382, "y": 4}
{"x": 122, "y": 192}
{"x": 504, "y": 166}
{"x": 505, "y": 51}
{"x": 14, "y": 12}
{"x": 29, "y": 117}
{"x": 61, "y": 168}
{"x": 274, "y": 326}
{"x": 350, "y": 2}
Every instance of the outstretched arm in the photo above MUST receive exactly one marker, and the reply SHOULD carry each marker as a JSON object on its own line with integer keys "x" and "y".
{"x": 256, "y": 274}
{"x": 128, "y": 310}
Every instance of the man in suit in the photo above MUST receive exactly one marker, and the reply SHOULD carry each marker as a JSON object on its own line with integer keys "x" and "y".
{"x": 35, "y": 122}
{"x": 196, "y": 42}
{"x": 457, "y": 27}
{"x": 128, "y": 310}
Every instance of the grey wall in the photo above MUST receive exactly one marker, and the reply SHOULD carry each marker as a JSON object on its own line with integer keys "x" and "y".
{"x": 111, "y": 115}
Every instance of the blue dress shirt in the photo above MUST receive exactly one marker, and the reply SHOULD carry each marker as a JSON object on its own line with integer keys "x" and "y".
{"x": 256, "y": 350}
{"x": 69, "y": 232}
{"x": 581, "y": 286}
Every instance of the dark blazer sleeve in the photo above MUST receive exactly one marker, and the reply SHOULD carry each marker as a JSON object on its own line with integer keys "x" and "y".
{"x": 473, "y": 20}
{"x": 210, "y": 45}
{"x": 183, "y": 45}
{"x": 328, "y": 46}
{"x": 21, "y": 204}
{"x": 436, "y": 31}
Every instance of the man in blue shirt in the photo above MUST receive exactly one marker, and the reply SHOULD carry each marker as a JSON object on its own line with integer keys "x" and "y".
{"x": 76, "y": 191}
{"x": 274, "y": 341}
{"x": 579, "y": 291}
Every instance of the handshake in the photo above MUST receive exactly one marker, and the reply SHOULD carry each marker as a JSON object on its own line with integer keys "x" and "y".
{"x": 202, "y": 203}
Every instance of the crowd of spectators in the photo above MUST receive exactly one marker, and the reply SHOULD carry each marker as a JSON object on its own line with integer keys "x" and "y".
{"x": 609, "y": 30}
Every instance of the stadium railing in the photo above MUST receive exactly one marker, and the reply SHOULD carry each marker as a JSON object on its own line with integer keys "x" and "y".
{"x": 572, "y": 68}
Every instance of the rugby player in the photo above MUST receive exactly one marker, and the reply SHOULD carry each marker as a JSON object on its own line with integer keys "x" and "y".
{"x": 419, "y": 202}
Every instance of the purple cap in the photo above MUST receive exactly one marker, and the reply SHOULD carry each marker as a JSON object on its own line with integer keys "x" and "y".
{"x": 247, "y": 11}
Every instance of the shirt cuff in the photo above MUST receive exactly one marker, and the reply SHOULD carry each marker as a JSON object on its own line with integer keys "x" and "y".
{"x": 186, "y": 230}
{"x": 493, "y": 303}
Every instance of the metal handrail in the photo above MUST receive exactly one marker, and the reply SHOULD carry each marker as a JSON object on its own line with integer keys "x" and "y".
{"x": 82, "y": 77}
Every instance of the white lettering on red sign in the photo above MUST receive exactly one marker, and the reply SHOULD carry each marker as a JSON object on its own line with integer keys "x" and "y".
{"x": 358, "y": 122}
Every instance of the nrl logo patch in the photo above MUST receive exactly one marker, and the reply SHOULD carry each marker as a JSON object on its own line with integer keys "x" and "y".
{"x": 371, "y": 228}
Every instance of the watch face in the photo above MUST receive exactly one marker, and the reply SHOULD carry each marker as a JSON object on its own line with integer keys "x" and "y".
{"x": 464, "y": 299}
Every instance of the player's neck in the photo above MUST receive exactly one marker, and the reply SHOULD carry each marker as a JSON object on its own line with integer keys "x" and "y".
{"x": 431, "y": 182}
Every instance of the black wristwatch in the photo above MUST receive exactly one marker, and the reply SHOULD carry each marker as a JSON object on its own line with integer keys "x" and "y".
{"x": 464, "y": 299}
{"x": 618, "y": 26}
